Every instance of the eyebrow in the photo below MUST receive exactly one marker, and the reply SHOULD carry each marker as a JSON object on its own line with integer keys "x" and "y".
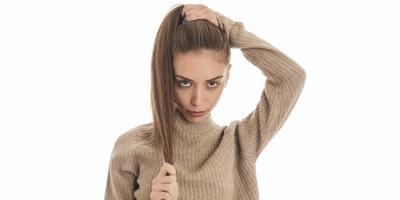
{"x": 215, "y": 78}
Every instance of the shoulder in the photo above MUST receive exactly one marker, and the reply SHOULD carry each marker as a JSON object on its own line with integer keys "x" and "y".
{"x": 239, "y": 128}
{"x": 232, "y": 126}
{"x": 129, "y": 140}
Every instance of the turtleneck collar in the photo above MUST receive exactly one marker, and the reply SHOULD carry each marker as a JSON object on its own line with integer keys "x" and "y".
{"x": 184, "y": 126}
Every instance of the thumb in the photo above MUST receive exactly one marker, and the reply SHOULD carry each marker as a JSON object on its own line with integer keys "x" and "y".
{"x": 167, "y": 169}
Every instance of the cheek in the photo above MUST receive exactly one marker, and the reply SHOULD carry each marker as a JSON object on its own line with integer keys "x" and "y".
{"x": 179, "y": 97}
{"x": 217, "y": 94}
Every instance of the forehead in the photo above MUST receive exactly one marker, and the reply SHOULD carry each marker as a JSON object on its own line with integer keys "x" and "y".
{"x": 198, "y": 65}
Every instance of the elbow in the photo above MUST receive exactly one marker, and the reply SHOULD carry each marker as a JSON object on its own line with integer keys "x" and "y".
{"x": 300, "y": 78}
{"x": 297, "y": 78}
{"x": 301, "y": 75}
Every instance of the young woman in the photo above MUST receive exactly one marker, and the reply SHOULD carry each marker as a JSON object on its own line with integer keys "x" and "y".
{"x": 183, "y": 153}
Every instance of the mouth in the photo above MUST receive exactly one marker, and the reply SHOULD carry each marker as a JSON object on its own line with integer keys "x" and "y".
{"x": 196, "y": 113}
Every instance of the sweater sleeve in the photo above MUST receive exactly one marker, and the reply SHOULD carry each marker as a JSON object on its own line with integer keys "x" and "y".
{"x": 285, "y": 81}
{"x": 121, "y": 178}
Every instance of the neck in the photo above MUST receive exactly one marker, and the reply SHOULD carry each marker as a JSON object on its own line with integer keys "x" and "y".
{"x": 182, "y": 125}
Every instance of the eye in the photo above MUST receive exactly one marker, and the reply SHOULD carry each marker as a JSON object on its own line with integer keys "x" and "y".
{"x": 183, "y": 83}
{"x": 213, "y": 84}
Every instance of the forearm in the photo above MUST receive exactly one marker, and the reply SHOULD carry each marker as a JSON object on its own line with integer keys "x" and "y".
{"x": 278, "y": 67}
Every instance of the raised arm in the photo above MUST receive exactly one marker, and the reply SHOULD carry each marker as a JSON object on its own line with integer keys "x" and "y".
{"x": 285, "y": 81}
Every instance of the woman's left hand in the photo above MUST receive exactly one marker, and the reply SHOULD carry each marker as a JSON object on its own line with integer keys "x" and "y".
{"x": 199, "y": 11}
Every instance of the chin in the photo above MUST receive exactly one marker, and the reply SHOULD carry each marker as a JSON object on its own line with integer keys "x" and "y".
{"x": 194, "y": 119}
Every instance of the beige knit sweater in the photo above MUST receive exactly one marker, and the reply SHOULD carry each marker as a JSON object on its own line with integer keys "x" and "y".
{"x": 213, "y": 162}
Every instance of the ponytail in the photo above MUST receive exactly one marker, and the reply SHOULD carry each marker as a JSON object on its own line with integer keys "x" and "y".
{"x": 162, "y": 88}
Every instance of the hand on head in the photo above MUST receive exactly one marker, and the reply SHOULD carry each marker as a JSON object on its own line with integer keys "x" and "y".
{"x": 199, "y": 11}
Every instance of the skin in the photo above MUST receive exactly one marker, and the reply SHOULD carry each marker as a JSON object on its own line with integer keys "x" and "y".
{"x": 200, "y": 81}
{"x": 165, "y": 186}
{"x": 200, "y": 93}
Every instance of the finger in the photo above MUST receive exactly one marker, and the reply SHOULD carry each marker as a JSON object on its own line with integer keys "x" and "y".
{"x": 197, "y": 14}
{"x": 202, "y": 7}
{"x": 163, "y": 171}
{"x": 186, "y": 8}
{"x": 209, "y": 16}
{"x": 170, "y": 169}
{"x": 192, "y": 16}
{"x": 166, "y": 168}
{"x": 191, "y": 10}
{"x": 162, "y": 187}
{"x": 164, "y": 180}
{"x": 159, "y": 195}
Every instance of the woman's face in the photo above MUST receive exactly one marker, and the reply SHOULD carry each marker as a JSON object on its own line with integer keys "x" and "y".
{"x": 200, "y": 80}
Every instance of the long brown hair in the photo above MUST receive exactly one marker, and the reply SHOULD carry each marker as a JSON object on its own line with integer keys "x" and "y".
{"x": 176, "y": 36}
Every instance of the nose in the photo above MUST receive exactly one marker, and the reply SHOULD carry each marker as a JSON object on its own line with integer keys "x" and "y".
{"x": 197, "y": 98}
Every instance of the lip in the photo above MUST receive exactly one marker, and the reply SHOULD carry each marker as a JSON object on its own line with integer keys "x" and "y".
{"x": 196, "y": 114}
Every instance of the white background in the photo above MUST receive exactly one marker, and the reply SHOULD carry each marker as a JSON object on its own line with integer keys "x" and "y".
{"x": 74, "y": 75}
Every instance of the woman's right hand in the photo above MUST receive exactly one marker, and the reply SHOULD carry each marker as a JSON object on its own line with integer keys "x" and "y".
{"x": 199, "y": 11}
{"x": 165, "y": 187}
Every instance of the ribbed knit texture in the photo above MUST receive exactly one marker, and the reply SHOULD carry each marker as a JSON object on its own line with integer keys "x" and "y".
{"x": 213, "y": 162}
